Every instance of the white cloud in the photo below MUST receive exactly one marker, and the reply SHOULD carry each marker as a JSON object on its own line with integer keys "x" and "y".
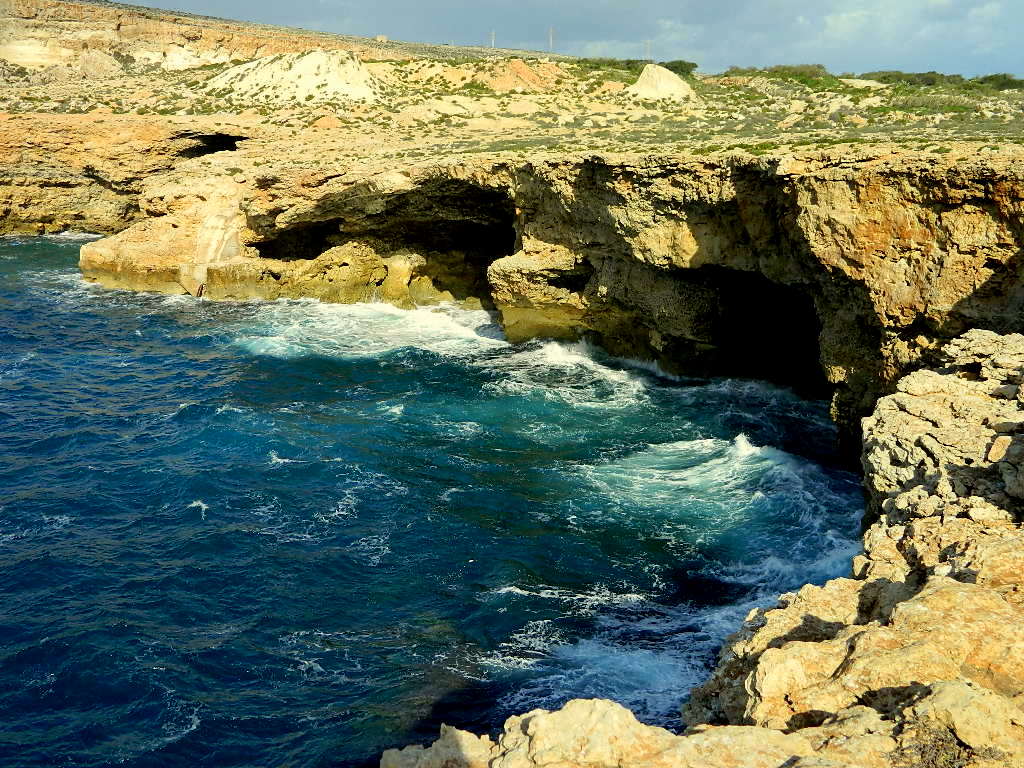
{"x": 843, "y": 26}
{"x": 985, "y": 13}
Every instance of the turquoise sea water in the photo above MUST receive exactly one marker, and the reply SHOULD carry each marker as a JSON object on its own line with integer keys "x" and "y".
{"x": 291, "y": 533}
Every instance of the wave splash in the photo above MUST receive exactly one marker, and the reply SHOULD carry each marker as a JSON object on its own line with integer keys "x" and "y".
{"x": 729, "y": 497}
{"x": 285, "y": 513}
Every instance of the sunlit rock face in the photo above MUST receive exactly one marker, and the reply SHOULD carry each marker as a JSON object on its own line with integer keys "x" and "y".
{"x": 295, "y": 79}
{"x": 832, "y": 275}
{"x": 43, "y": 33}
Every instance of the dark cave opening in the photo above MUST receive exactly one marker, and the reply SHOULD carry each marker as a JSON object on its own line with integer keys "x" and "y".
{"x": 303, "y": 241}
{"x": 757, "y": 328}
{"x": 459, "y": 228}
{"x": 209, "y": 143}
{"x": 574, "y": 282}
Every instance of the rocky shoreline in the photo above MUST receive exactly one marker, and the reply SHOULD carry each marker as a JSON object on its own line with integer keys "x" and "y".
{"x": 836, "y": 273}
{"x": 840, "y": 273}
{"x": 914, "y": 661}
{"x": 843, "y": 238}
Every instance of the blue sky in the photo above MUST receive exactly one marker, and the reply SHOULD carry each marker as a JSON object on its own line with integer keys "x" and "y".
{"x": 966, "y": 36}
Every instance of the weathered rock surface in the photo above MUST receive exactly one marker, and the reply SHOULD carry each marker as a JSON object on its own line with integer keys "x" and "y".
{"x": 835, "y": 273}
{"x": 659, "y": 83}
{"x": 43, "y": 33}
{"x": 85, "y": 172}
{"x": 600, "y": 734}
{"x": 915, "y": 662}
{"x": 291, "y": 79}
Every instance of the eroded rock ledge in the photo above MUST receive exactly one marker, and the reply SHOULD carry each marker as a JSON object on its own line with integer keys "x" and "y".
{"x": 917, "y": 660}
{"x": 838, "y": 274}
{"x": 86, "y": 172}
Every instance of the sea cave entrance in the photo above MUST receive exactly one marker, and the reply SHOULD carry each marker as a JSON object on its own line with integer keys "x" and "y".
{"x": 742, "y": 324}
{"x": 459, "y": 228}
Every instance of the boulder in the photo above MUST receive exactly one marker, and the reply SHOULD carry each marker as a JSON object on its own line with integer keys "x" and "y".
{"x": 97, "y": 64}
{"x": 659, "y": 83}
{"x": 297, "y": 79}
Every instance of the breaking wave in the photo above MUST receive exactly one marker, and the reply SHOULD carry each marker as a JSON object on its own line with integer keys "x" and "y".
{"x": 267, "y": 529}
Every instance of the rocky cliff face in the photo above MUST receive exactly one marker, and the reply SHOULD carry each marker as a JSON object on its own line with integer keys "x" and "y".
{"x": 833, "y": 274}
{"x": 85, "y": 172}
{"x": 916, "y": 661}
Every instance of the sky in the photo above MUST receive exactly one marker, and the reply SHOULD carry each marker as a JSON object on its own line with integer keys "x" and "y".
{"x": 969, "y": 37}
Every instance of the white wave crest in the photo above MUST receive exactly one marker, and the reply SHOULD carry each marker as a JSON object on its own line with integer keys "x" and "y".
{"x": 291, "y": 329}
{"x": 566, "y": 373}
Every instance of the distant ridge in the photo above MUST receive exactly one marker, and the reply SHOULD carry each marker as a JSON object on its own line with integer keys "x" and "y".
{"x": 155, "y": 36}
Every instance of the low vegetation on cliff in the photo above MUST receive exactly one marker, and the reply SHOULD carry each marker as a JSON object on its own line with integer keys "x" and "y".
{"x": 421, "y": 101}
{"x": 867, "y": 221}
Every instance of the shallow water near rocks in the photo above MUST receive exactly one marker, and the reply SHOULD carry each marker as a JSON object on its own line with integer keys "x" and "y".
{"x": 295, "y": 533}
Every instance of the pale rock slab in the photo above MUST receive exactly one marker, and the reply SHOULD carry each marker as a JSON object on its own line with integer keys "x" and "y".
{"x": 659, "y": 83}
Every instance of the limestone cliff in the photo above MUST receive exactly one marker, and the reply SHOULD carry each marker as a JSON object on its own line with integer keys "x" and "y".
{"x": 831, "y": 273}
{"x": 85, "y": 172}
{"x": 916, "y": 661}
{"x": 41, "y": 33}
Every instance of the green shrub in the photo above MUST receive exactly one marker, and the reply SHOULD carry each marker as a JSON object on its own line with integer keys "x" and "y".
{"x": 926, "y": 102}
{"x": 1001, "y": 82}
{"x": 474, "y": 87}
{"x": 892, "y": 77}
{"x": 997, "y": 82}
{"x": 681, "y": 67}
{"x": 634, "y": 66}
{"x": 814, "y": 76}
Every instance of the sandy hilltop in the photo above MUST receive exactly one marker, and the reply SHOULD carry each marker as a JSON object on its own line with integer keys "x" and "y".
{"x": 856, "y": 237}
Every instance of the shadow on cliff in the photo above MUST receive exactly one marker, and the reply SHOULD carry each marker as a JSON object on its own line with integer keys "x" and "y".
{"x": 750, "y": 301}
{"x": 998, "y": 303}
{"x": 470, "y": 708}
{"x": 458, "y": 228}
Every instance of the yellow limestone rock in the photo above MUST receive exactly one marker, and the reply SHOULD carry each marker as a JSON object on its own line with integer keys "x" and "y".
{"x": 601, "y": 734}
{"x": 659, "y": 83}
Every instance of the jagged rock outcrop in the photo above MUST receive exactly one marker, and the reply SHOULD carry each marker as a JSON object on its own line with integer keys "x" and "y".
{"x": 834, "y": 273}
{"x": 599, "y": 734}
{"x": 916, "y": 661}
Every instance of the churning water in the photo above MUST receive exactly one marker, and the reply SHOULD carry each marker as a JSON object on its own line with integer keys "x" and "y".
{"x": 296, "y": 533}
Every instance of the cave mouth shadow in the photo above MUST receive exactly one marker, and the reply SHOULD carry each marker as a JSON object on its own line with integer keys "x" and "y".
{"x": 209, "y": 143}
{"x": 720, "y": 322}
{"x": 459, "y": 227}
{"x": 764, "y": 330}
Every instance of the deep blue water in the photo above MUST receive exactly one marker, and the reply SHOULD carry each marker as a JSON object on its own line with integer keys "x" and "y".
{"x": 296, "y": 534}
